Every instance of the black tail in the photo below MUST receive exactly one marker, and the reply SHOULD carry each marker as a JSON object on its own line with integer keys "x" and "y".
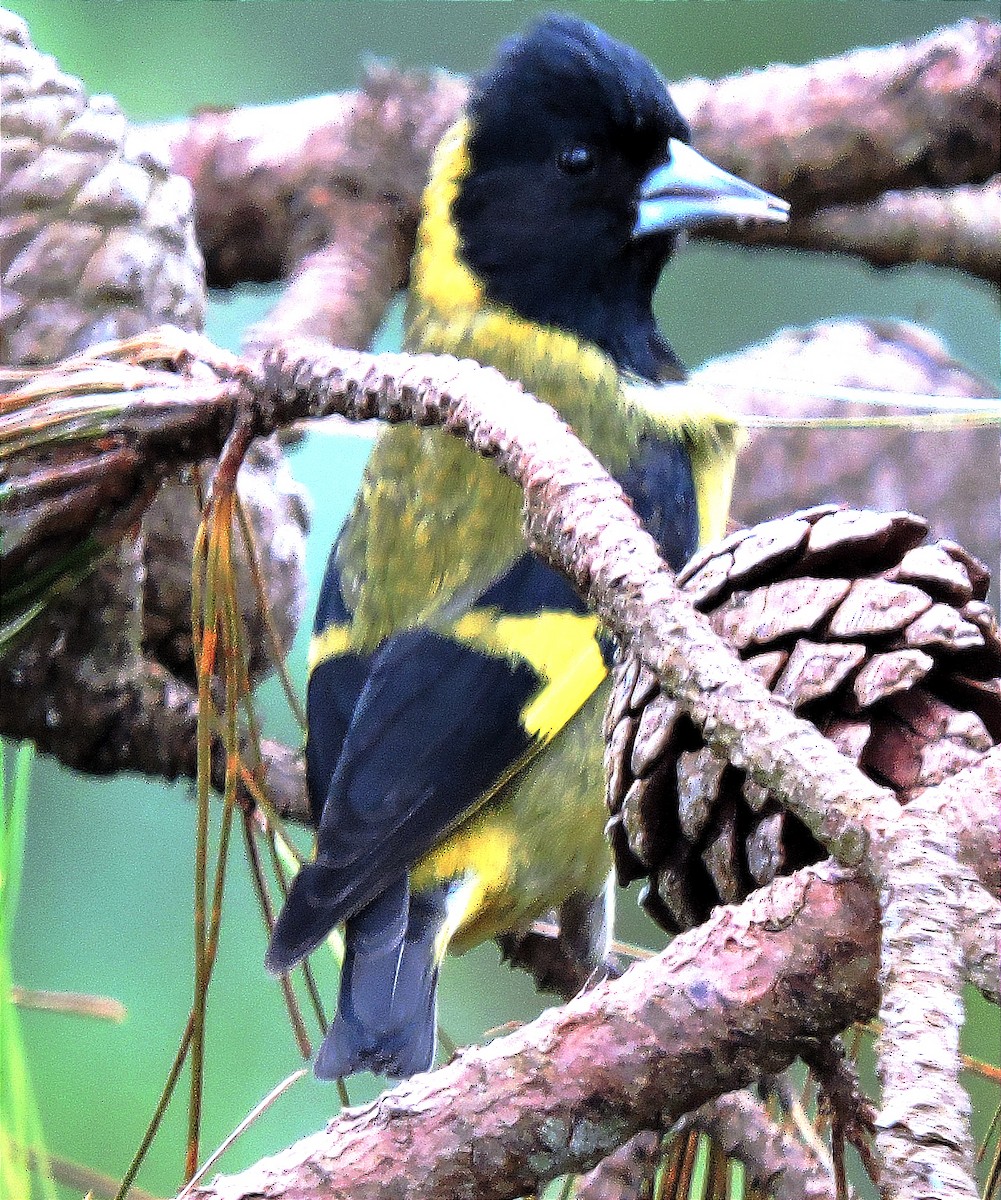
{"x": 386, "y": 1011}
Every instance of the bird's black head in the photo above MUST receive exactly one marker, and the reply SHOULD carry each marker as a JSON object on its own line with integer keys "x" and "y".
{"x": 565, "y": 127}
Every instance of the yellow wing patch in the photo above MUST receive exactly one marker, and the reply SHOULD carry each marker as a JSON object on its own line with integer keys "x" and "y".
{"x": 329, "y": 643}
{"x": 561, "y": 647}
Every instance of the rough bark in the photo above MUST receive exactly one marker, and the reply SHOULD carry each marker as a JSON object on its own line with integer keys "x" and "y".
{"x": 721, "y": 1006}
{"x": 846, "y": 129}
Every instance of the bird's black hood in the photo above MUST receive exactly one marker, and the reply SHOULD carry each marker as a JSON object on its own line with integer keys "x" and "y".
{"x": 556, "y": 245}
{"x": 579, "y": 180}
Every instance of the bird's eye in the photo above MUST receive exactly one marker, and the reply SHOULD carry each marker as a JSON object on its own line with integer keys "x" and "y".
{"x": 575, "y": 160}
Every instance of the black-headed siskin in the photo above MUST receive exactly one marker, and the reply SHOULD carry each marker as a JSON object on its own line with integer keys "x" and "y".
{"x": 457, "y": 684}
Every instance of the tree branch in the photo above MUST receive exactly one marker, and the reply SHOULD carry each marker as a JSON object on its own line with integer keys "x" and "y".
{"x": 774, "y": 1161}
{"x": 922, "y": 1130}
{"x": 956, "y": 227}
{"x": 721, "y": 1006}
{"x": 269, "y": 180}
{"x": 324, "y": 193}
{"x": 980, "y": 940}
{"x": 577, "y": 517}
{"x": 923, "y": 113}
{"x": 969, "y": 803}
{"x": 626, "y": 1173}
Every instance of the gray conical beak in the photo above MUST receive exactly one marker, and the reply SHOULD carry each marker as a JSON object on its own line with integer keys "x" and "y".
{"x": 689, "y": 190}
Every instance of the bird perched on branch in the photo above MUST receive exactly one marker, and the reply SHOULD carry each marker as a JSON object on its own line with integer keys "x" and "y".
{"x": 457, "y": 683}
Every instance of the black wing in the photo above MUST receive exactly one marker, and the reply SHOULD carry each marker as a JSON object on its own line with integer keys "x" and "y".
{"x": 437, "y": 722}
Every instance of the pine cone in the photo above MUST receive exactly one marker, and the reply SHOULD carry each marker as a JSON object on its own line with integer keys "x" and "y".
{"x": 883, "y": 640}
{"x": 278, "y": 510}
{"x": 97, "y": 236}
{"x": 97, "y": 241}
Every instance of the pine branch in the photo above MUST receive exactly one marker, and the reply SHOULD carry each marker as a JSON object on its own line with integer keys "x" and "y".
{"x": 724, "y": 1004}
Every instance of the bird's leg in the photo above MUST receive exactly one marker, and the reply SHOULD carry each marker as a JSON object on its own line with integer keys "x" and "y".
{"x": 585, "y": 923}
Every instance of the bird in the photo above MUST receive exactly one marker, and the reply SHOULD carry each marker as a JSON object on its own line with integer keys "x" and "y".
{"x": 456, "y": 682}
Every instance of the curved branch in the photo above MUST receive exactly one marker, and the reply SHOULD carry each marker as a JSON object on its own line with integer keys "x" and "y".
{"x": 722, "y": 1005}
{"x": 576, "y": 515}
{"x": 577, "y": 518}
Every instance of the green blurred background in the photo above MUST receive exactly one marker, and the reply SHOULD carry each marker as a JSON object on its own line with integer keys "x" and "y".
{"x": 107, "y": 893}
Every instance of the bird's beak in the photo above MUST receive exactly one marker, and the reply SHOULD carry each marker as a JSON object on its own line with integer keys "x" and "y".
{"x": 689, "y": 190}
